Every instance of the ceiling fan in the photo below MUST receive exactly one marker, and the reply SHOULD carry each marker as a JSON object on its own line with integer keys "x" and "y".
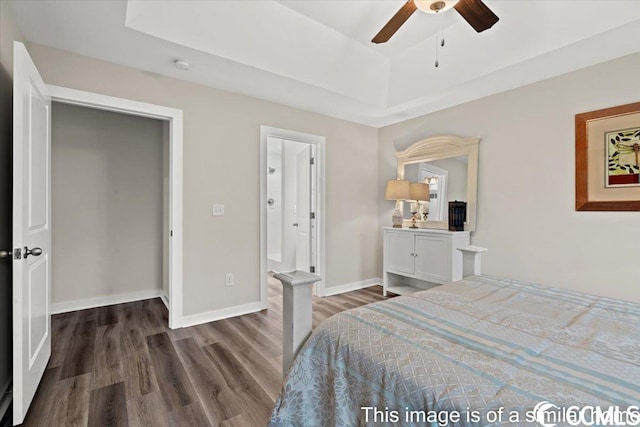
{"x": 475, "y": 12}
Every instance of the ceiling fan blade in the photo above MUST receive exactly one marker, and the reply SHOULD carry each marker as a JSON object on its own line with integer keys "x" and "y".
{"x": 395, "y": 23}
{"x": 477, "y": 14}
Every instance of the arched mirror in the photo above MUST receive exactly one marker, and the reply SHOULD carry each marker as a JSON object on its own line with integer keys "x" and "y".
{"x": 449, "y": 164}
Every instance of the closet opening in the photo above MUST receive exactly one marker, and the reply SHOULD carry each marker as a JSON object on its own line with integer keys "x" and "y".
{"x": 110, "y": 208}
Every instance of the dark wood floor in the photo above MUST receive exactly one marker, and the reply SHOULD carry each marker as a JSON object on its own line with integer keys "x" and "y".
{"x": 120, "y": 365}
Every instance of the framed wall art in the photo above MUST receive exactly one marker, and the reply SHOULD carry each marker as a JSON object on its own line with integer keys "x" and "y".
{"x": 608, "y": 159}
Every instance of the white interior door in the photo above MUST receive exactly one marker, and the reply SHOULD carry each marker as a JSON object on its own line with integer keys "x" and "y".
{"x": 313, "y": 209}
{"x": 303, "y": 242}
{"x": 31, "y": 230}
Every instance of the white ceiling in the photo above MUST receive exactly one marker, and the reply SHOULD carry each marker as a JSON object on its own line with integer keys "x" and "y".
{"x": 316, "y": 55}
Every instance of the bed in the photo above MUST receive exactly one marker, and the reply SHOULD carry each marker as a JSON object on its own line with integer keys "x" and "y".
{"x": 481, "y": 351}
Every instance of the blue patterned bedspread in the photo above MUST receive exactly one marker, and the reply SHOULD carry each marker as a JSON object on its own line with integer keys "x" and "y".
{"x": 481, "y": 351}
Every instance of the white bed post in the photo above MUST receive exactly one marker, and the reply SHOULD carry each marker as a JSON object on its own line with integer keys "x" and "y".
{"x": 471, "y": 262}
{"x": 297, "y": 293}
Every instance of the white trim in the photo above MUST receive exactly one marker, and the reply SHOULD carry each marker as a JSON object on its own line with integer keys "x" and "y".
{"x": 111, "y": 103}
{"x": 64, "y": 307}
{"x": 223, "y": 313}
{"x": 354, "y": 286}
{"x": 319, "y": 142}
{"x": 174, "y": 117}
{"x": 165, "y": 299}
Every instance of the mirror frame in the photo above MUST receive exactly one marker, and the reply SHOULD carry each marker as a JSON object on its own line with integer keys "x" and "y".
{"x": 443, "y": 147}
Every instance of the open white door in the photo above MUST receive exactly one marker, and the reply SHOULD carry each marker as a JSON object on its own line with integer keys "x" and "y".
{"x": 31, "y": 230}
{"x": 313, "y": 208}
{"x": 303, "y": 242}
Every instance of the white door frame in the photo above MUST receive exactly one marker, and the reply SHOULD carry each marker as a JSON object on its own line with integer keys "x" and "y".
{"x": 174, "y": 117}
{"x": 319, "y": 142}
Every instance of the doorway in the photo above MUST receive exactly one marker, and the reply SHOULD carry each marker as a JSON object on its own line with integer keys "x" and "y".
{"x": 290, "y": 187}
{"x": 109, "y": 200}
{"x": 291, "y": 204}
{"x": 172, "y": 180}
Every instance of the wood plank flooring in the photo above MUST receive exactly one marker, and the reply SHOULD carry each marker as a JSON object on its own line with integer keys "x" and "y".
{"x": 121, "y": 366}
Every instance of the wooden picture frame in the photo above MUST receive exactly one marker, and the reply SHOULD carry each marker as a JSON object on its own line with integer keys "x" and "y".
{"x": 592, "y": 191}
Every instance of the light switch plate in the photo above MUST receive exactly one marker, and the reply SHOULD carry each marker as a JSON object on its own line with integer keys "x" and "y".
{"x": 218, "y": 210}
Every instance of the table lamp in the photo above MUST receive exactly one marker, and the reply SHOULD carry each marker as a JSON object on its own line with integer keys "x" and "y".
{"x": 398, "y": 190}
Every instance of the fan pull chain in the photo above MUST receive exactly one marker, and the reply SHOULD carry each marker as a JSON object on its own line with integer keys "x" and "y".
{"x": 439, "y": 43}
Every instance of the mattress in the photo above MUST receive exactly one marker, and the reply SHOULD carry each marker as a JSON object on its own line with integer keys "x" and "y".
{"x": 481, "y": 351}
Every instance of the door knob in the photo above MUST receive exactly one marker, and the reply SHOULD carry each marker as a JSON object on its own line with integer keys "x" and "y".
{"x": 34, "y": 252}
{"x": 5, "y": 254}
{"x": 295, "y": 224}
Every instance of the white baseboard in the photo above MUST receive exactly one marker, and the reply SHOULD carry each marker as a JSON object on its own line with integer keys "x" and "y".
{"x": 165, "y": 299}
{"x": 354, "y": 286}
{"x": 224, "y": 313}
{"x": 63, "y": 307}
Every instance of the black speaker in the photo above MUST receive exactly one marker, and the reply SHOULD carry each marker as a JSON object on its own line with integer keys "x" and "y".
{"x": 457, "y": 215}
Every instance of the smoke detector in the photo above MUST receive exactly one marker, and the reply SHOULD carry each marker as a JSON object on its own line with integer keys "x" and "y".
{"x": 182, "y": 64}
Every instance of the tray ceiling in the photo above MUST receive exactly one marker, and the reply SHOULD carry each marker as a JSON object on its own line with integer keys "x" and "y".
{"x": 316, "y": 55}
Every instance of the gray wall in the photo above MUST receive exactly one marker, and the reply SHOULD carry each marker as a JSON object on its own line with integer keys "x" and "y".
{"x": 107, "y": 204}
{"x": 526, "y": 187}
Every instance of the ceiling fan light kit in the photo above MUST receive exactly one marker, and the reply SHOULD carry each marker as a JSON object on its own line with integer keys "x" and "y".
{"x": 435, "y": 6}
{"x": 475, "y": 12}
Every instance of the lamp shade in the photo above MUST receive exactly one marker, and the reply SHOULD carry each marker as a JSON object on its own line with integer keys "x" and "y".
{"x": 419, "y": 191}
{"x": 397, "y": 189}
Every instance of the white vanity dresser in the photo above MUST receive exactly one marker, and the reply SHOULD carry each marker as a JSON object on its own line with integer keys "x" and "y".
{"x": 418, "y": 259}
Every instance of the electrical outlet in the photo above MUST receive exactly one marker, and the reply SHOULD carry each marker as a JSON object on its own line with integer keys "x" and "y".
{"x": 228, "y": 280}
{"x": 218, "y": 210}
